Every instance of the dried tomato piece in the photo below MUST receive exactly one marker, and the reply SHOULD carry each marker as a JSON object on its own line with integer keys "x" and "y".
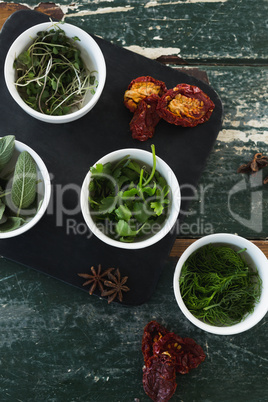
{"x": 166, "y": 354}
{"x": 140, "y": 88}
{"x": 185, "y": 105}
{"x": 145, "y": 118}
{"x": 153, "y": 331}
{"x": 159, "y": 378}
{"x": 186, "y": 352}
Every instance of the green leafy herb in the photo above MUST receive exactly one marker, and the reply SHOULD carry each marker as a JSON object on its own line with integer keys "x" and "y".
{"x": 18, "y": 200}
{"x": 218, "y": 286}
{"x": 2, "y": 209}
{"x": 7, "y": 145}
{"x": 128, "y": 200}
{"x": 51, "y": 75}
{"x": 23, "y": 190}
{"x": 12, "y": 223}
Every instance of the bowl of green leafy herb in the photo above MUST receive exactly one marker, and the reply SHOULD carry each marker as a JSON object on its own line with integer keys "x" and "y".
{"x": 221, "y": 284}
{"x": 55, "y": 72}
{"x": 25, "y": 187}
{"x": 130, "y": 198}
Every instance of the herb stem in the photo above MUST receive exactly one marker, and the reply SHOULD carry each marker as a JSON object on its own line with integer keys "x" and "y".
{"x": 51, "y": 75}
{"x": 154, "y": 166}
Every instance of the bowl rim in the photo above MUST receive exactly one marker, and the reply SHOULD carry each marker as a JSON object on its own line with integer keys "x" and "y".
{"x": 261, "y": 306}
{"x": 100, "y": 61}
{"x": 47, "y": 192}
{"x": 170, "y": 222}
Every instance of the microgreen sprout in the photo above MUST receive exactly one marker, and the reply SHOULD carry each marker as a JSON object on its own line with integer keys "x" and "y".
{"x": 51, "y": 75}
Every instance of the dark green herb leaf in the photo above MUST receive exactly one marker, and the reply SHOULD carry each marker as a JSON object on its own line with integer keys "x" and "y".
{"x": 2, "y": 209}
{"x": 122, "y": 194}
{"x": 11, "y": 223}
{"x": 108, "y": 204}
{"x": 25, "y": 58}
{"x": 129, "y": 194}
{"x": 23, "y": 190}
{"x": 123, "y": 213}
{"x": 157, "y": 207}
{"x": 140, "y": 212}
{"x": 150, "y": 190}
{"x": 7, "y": 145}
{"x": 124, "y": 230}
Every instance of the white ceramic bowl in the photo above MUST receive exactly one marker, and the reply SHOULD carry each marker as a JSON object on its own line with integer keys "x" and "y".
{"x": 257, "y": 260}
{"x": 163, "y": 169}
{"x": 90, "y": 53}
{"x": 43, "y": 188}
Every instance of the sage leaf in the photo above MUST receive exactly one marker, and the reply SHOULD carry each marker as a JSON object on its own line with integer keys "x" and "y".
{"x": 7, "y": 145}
{"x": 12, "y": 223}
{"x": 2, "y": 209}
{"x": 23, "y": 191}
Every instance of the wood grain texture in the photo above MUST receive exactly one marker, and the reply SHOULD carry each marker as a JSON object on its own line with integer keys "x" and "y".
{"x": 208, "y": 31}
{"x": 181, "y": 245}
{"x": 225, "y": 201}
{"x": 51, "y": 9}
{"x": 195, "y": 30}
{"x": 60, "y": 344}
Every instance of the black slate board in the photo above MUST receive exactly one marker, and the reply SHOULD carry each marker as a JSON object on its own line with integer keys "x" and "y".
{"x": 59, "y": 245}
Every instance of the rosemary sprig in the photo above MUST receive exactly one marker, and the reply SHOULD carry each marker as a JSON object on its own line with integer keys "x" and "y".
{"x": 51, "y": 75}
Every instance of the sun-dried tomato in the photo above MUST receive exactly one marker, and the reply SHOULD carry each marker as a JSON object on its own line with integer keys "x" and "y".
{"x": 140, "y": 88}
{"x": 152, "y": 332}
{"x": 185, "y": 105}
{"x": 145, "y": 118}
{"x": 186, "y": 352}
{"x": 159, "y": 378}
{"x": 166, "y": 354}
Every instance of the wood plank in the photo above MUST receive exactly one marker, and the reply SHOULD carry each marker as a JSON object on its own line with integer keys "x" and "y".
{"x": 196, "y": 31}
{"x": 225, "y": 201}
{"x": 181, "y": 245}
{"x": 51, "y": 9}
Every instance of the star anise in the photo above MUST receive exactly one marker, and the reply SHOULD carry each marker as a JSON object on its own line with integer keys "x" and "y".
{"x": 117, "y": 286}
{"x": 96, "y": 278}
{"x": 258, "y": 162}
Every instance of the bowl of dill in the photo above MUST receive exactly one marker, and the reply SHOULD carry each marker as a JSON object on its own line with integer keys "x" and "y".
{"x": 25, "y": 187}
{"x": 55, "y": 72}
{"x": 130, "y": 198}
{"x": 221, "y": 284}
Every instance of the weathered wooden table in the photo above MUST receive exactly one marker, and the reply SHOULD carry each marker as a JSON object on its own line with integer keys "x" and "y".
{"x": 58, "y": 343}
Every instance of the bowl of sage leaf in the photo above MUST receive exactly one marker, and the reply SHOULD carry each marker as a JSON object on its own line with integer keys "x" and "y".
{"x": 130, "y": 198}
{"x": 25, "y": 187}
{"x": 55, "y": 72}
{"x": 221, "y": 284}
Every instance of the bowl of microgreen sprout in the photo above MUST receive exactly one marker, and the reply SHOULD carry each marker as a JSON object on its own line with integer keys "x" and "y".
{"x": 55, "y": 72}
{"x": 221, "y": 284}
{"x": 25, "y": 187}
{"x": 130, "y": 198}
